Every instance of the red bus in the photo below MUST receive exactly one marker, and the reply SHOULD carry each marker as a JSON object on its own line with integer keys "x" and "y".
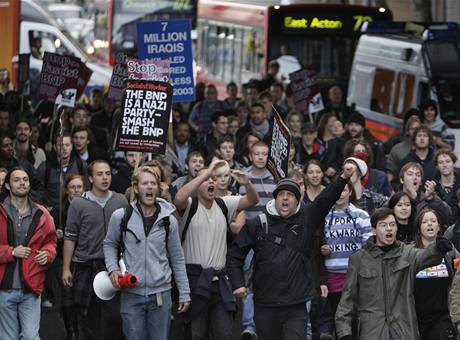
{"x": 237, "y": 40}
{"x": 123, "y": 15}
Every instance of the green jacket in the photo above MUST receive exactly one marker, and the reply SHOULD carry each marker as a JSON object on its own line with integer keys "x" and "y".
{"x": 379, "y": 287}
{"x": 455, "y": 299}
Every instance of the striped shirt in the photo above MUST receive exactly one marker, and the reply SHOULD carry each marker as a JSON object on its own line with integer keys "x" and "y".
{"x": 265, "y": 185}
{"x": 346, "y": 231}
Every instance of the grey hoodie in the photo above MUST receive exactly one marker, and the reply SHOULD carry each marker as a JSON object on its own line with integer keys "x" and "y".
{"x": 146, "y": 256}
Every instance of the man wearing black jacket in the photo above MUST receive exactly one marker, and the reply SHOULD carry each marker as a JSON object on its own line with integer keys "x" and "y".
{"x": 282, "y": 244}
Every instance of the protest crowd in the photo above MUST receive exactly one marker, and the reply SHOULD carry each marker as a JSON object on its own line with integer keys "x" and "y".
{"x": 358, "y": 241}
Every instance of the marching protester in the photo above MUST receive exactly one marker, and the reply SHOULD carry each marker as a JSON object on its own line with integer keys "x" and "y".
{"x": 152, "y": 251}
{"x": 404, "y": 210}
{"x": 379, "y": 288}
{"x": 313, "y": 180}
{"x": 432, "y": 284}
{"x": 74, "y": 186}
{"x": 205, "y": 233}
{"x": 346, "y": 230}
{"x": 27, "y": 246}
{"x": 281, "y": 240}
{"x": 87, "y": 221}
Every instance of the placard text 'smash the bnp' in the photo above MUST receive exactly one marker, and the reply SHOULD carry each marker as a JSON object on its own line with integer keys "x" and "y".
{"x": 146, "y": 109}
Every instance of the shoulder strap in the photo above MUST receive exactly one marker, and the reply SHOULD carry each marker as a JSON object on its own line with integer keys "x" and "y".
{"x": 192, "y": 211}
{"x": 220, "y": 202}
{"x": 166, "y": 223}
{"x": 263, "y": 221}
{"x": 124, "y": 227}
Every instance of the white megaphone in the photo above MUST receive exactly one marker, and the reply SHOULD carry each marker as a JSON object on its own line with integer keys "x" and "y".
{"x": 103, "y": 286}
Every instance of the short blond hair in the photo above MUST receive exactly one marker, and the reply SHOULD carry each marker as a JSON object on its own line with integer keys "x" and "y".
{"x": 145, "y": 168}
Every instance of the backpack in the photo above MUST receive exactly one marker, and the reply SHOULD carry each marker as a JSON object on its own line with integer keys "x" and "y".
{"x": 193, "y": 208}
{"x": 166, "y": 223}
{"x": 270, "y": 237}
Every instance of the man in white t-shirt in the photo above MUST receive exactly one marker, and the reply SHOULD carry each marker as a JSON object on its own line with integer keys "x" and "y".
{"x": 205, "y": 235}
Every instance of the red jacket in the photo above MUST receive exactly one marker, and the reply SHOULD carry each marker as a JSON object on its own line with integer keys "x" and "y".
{"x": 41, "y": 236}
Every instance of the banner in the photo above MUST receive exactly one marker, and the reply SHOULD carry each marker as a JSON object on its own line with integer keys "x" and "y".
{"x": 146, "y": 108}
{"x": 23, "y": 74}
{"x": 83, "y": 79}
{"x": 60, "y": 73}
{"x": 157, "y": 70}
{"x": 305, "y": 92}
{"x": 170, "y": 40}
{"x": 278, "y": 159}
{"x": 119, "y": 74}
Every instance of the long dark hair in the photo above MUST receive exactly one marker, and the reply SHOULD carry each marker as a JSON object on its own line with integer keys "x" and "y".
{"x": 396, "y": 198}
{"x": 418, "y": 225}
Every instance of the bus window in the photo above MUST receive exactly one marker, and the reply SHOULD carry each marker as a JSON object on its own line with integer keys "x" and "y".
{"x": 331, "y": 57}
{"x": 381, "y": 91}
{"x": 211, "y": 59}
{"x": 221, "y": 51}
{"x": 41, "y": 42}
{"x": 252, "y": 59}
{"x": 403, "y": 94}
{"x": 361, "y": 83}
{"x": 238, "y": 48}
{"x": 423, "y": 92}
{"x": 229, "y": 55}
{"x": 449, "y": 103}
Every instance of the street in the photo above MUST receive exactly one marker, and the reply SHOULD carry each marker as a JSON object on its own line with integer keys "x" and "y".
{"x": 52, "y": 326}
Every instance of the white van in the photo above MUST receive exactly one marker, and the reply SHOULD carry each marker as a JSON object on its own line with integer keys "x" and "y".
{"x": 37, "y": 25}
{"x": 394, "y": 72}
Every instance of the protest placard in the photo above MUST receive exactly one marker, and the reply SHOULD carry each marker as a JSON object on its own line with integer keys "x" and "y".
{"x": 23, "y": 74}
{"x": 146, "y": 108}
{"x": 278, "y": 158}
{"x": 60, "y": 73}
{"x": 170, "y": 40}
{"x": 119, "y": 74}
{"x": 304, "y": 91}
{"x": 157, "y": 70}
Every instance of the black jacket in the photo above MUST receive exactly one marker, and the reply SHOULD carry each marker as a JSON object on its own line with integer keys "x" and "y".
{"x": 121, "y": 181}
{"x": 282, "y": 274}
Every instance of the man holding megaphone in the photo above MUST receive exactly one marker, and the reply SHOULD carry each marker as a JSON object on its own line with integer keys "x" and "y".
{"x": 142, "y": 248}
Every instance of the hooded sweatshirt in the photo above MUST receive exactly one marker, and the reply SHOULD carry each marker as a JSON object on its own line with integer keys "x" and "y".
{"x": 145, "y": 253}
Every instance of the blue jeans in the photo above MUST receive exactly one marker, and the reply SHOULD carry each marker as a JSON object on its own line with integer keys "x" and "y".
{"x": 143, "y": 318}
{"x": 248, "y": 302}
{"x": 309, "y": 330}
{"x": 19, "y": 315}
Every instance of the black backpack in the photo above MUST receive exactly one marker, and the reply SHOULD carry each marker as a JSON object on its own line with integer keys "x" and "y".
{"x": 166, "y": 222}
{"x": 193, "y": 208}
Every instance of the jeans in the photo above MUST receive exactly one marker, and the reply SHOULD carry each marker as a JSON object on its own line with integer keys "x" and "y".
{"x": 309, "y": 329}
{"x": 143, "y": 318}
{"x": 248, "y": 313}
{"x": 248, "y": 302}
{"x": 19, "y": 315}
